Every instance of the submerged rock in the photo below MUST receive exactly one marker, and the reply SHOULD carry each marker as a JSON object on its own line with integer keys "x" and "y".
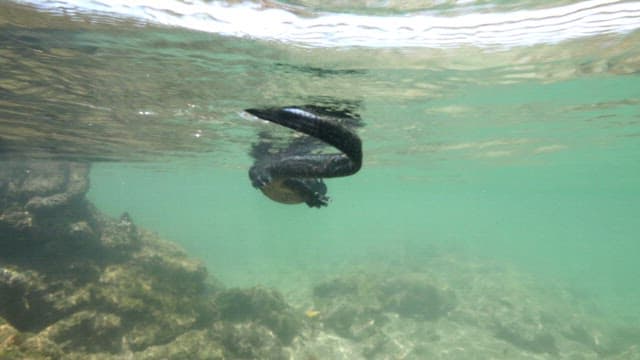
{"x": 533, "y": 340}
{"x": 193, "y": 344}
{"x": 15, "y": 345}
{"x": 349, "y": 306}
{"x": 81, "y": 280}
{"x": 222, "y": 340}
{"x": 358, "y": 306}
{"x": 86, "y": 331}
{"x": 39, "y": 186}
{"x": 414, "y": 295}
{"x": 142, "y": 288}
{"x": 74, "y": 282}
{"x": 42, "y": 207}
{"x": 261, "y": 306}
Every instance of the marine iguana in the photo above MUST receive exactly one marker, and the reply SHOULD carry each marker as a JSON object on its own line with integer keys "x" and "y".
{"x": 294, "y": 175}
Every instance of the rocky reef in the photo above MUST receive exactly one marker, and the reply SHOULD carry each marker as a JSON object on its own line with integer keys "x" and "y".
{"x": 75, "y": 284}
{"x": 453, "y": 309}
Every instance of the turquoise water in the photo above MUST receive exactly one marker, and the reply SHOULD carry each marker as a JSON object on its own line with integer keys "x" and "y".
{"x": 566, "y": 224}
{"x": 514, "y": 147}
{"x": 565, "y": 211}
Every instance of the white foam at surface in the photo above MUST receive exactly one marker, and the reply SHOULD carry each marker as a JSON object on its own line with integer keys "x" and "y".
{"x": 423, "y": 29}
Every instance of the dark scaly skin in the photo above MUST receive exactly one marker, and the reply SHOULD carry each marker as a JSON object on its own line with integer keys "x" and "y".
{"x": 297, "y": 178}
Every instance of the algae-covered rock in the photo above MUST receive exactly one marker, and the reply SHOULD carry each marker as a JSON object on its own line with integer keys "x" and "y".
{"x": 193, "y": 344}
{"x": 337, "y": 287}
{"x": 121, "y": 238}
{"x": 527, "y": 338}
{"x": 16, "y": 345}
{"x": 617, "y": 340}
{"x": 156, "y": 291}
{"x": 222, "y": 340}
{"x": 9, "y": 338}
{"x": 32, "y": 192}
{"x": 356, "y": 306}
{"x": 248, "y": 340}
{"x": 42, "y": 185}
{"x": 414, "y": 295}
{"x": 349, "y": 306}
{"x": 85, "y": 282}
{"x": 78, "y": 283}
{"x": 22, "y": 303}
{"x": 353, "y": 321}
{"x": 262, "y": 306}
{"x": 86, "y": 331}
{"x": 75, "y": 284}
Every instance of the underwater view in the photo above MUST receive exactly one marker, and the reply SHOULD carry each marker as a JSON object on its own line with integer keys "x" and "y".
{"x": 309, "y": 180}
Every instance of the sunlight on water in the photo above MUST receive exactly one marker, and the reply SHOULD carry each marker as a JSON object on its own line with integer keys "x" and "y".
{"x": 491, "y": 29}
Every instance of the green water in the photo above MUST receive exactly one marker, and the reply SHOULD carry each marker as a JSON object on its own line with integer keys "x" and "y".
{"x": 528, "y": 157}
{"x": 556, "y": 194}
